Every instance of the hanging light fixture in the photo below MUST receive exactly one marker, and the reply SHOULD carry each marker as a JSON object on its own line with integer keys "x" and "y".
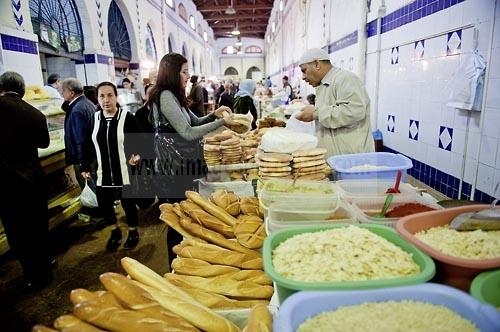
{"x": 238, "y": 42}
{"x": 230, "y": 9}
{"x": 236, "y": 31}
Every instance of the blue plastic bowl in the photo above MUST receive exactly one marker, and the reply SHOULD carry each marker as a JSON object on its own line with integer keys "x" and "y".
{"x": 303, "y": 305}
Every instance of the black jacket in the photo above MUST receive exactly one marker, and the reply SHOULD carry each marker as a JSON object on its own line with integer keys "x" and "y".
{"x": 23, "y": 129}
{"x": 227, "y": 99}
{"x": 243, "y": 105}
{"x": 113, "y": 168}
{"x": 196, "y": 96}
{"x": 76, "y": 124}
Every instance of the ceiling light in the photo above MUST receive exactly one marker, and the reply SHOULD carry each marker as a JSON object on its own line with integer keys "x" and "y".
{"x": 235, "y": 32}
{"x": 230, "y": 10}
{"x": 281, "y": 5}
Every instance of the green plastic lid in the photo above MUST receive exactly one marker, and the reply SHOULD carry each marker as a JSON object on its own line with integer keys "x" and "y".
{"x": 486, "y": 287}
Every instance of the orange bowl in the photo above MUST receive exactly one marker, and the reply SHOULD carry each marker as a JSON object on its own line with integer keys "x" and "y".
{"x": 450, "y": 270}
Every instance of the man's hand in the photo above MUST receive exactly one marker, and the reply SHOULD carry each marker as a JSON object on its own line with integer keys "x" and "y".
{"x": 134, "y": 159}
{"x": 86, "y": 175}
{"x": 306, "y": 114}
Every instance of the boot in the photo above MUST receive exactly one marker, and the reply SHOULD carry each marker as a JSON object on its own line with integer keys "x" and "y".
{"x": 114, "y": 240}
{"x": 132, "y": 239}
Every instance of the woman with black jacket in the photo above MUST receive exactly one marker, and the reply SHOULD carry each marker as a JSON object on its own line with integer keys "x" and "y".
{"x": 111, "y": 141}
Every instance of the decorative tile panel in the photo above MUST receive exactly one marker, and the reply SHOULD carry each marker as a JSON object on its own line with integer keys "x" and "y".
{"x": 454, "y": 43}
{"x": 391, "y": 123}
{"x": 413, "y": 130}
{"x": 351, "y": 63}
{"x": 99, "y": 22}
{"x": 419, "y": 50}
{"x": 17, "y": 11}
{"x": 445, "y": 138}
{"x": 16, "y": 44}
{"x": 395, "y": 55}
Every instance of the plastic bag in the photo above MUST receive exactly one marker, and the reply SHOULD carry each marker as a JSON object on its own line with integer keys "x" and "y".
{"x": 298, "y": 126}
{"x": 467, "y": 84}
{"x": 88, "y": 197}
{"x": 286, "y": 141}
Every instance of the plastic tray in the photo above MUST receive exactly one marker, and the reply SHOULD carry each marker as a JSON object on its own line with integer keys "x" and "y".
{"x": 454, "y": 271}
{"x": 285, "y": 287}
{"x": 342, "y": 165}
{"x": 301, "y": 306}
{"x": 486, "y": 287}
{"x": 282, "y": 216}
{"x": 367, "y": 207}
{"x": 315, "y": 191}
{"x": 350, "y": 189}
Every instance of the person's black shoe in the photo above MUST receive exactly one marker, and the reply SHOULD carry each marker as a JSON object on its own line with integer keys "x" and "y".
{"x": 114, "y": 240}
{"x": 132, "y": 239}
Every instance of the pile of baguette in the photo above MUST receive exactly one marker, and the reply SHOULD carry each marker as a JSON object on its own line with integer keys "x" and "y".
{"x": 217, "y": 262}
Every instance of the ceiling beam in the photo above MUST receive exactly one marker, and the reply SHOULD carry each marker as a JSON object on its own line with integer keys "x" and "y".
{"x": 234, "y": 17}
{"x": 238, "y": 7}
{"x": 240, "y": 24}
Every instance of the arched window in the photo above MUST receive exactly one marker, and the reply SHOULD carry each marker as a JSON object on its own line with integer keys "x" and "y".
{"x": 231, "y": 71}
{"x": 117, "y": 32}
{"x": 184, "y": 50}
{"x": 182, "y": 12}
{"x": 205, "y": 36}
{"x": 199, "y": 31}
{"x": 228, "y": 50}
{"x": 192, "y": 23}
{"x": 58, "y": 23}
{"x": 251, "y": 70}
{"x": 170, "y": 42}
{"x": 150, "y": 45}
{"x": 253, "y": 49}
{"x": 170, "y": 3}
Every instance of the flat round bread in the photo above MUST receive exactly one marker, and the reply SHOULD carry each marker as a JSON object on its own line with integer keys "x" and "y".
{"x": 275, "y": 169}
{"x": 231, "y": 141}
{"x": 308, "y": 170}
{"x": 309, "y": 153}
{"x": 274, "y": 174}
{"x": 208, "y": 147}
{"x": 270, "y": 164}
{"x": 275, "y": 157}
{"x": 276, "y": 177}
{"x": 309, "y": 163}
{"x": 304, "y": 159}
{"x": 249, "y": 143}
{"x": 313, "y": 176}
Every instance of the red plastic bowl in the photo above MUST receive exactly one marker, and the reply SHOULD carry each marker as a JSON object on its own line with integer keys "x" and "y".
{"x": 450, "y": 270}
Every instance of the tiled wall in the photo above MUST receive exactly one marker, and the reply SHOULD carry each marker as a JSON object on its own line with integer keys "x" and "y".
{"x": 423, "y": 44}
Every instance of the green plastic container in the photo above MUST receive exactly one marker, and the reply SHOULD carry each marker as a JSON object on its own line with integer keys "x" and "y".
{"x": 486, "y": 287}
{"x": 286, "y": 287}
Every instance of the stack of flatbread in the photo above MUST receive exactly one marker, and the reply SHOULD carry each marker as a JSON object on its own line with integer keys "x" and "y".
{"x": 274, "y": 165}
{"x": 231, "y": 151}
{"x": 310, "y": 164}
{"x": 249, "y": 148}
{"x": 212, "y": 150}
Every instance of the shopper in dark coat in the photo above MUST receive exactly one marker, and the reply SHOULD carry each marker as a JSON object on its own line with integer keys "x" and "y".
{"x": 244, "y": 101}
{"x": 111, "y": 141}
{"x": 196, "y": 97}
{"x": 23, "y": 203}
{"x": 79, "y": 111}
{"x": 227, "y": 97}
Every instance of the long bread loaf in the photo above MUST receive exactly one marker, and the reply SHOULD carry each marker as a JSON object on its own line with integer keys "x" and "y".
{"x": 197, "y": 267}
{"x": 211, "y": 208}
{"x": 70, "y": 323}
{"x": 223, "y": 257}
{"x": 81, "y": 295}
{"x": 206, "y": 219}
{"x": 172, "y": 220}
{"x": 259, "y": 320}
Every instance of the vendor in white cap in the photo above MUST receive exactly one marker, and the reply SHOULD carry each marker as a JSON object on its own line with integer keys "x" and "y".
{"x": 342, "y": 109}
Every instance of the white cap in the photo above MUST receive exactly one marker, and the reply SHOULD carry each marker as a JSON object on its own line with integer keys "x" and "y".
{"x": 312, "y": 55}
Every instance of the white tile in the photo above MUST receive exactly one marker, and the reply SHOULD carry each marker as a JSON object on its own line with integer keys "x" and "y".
{"x": 488, "y": 153}
{"x": 443, "y": 160}
{"x": 458, "y": 141}
{"x": 435, "y": 47}
{"x": 456, "y": 164}
{"x": 470, "y": 170}
{"x": 492, "y": 122}
{"x": 473, "y": 145}
{"x": 493, "y": 96}
{"x": 428, "y": 133}
{"x": 485, "y": 178}
{"x": 496, "y": 35}
{"x": 497, "y": 164}
{"x": 460, "y": 121}
{"x": 495, "y": 61}
{"x": 447, "y": 117}
{"x": 432, "y": 156}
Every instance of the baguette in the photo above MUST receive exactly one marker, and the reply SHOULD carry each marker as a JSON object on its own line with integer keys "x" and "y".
{"x": 70, "y": 323}
{"x": 215, "y": 237}
{"x": 115, "y": 319}
{"x": 172, "y": 220}
{"x": 197, "y": 267}
{"x": 178, "y": 211}
{"x": 223, "y": 257}
{"x": 206, "y": 219}
{"x": 216, "y": 301}
{"x": 259, "y": 320}
{"x": 81, "y": 295}
{"x": 166, "y": 207}
{"x": 199, "y": 315}
{"x": 251, "y": 206}
{"x": 226, "y": 286}
{"x": 211, "y": 208}
{"x": 250, "y": 231}
{"x": 175, "y": 299}
{"x": 226, "y": 200}
{"x": 42, "y": 328}
{"x": 138, "y": 299}
{"x": 256, "y": 276}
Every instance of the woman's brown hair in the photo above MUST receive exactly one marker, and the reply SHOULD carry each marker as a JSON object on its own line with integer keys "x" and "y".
{"x": 169, "y": 78}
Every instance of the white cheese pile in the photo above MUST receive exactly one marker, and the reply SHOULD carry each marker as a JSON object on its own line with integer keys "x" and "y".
{"x": 476, "y": 244}
{"x": 390, "y": 316}
{"x": 341, "y": 254}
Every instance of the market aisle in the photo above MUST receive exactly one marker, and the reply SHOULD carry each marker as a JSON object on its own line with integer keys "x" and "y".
{"x": 81, "y": 258}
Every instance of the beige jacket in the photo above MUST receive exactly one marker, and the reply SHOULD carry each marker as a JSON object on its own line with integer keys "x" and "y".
{"x": 343, "y": 114}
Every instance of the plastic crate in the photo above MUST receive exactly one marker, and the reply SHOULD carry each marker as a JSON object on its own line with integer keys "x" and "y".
{"x": 301, "y": 306}
{"x": 286, "y": 287}
{"x": 282, "y": 216}
{"x": 367, "y": 207}
{"x": 351, "y": 189}
{"x": 388, "y": 165}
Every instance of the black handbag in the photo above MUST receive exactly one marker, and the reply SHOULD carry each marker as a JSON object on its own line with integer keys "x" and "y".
{"x": 177, "y": 160}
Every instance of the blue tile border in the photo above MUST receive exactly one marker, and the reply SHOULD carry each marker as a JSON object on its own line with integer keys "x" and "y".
{"x": 133, "y": 66}
{"x": 104, "y": 59}
{"x": 343, "y": 42}
{"x": 443, "y": 182}
{"x": 16, "y": 44}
